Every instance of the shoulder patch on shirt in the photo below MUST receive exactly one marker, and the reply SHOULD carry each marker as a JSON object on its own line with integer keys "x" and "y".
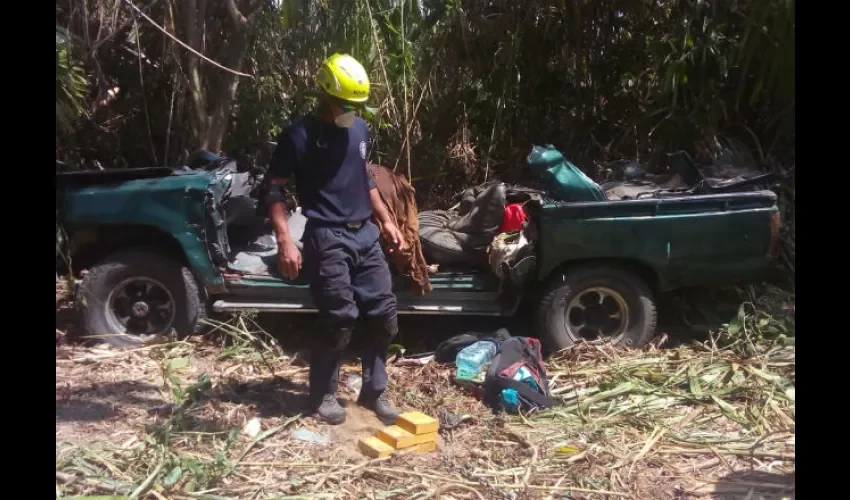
{"x": 363, "y": 149}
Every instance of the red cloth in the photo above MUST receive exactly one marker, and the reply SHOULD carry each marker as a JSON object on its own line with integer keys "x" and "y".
{"x": 513, "y": 219}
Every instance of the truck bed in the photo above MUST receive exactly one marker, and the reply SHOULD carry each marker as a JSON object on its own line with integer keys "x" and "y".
{"x": 695, "y": 240}
{"x": 700, "y": 240}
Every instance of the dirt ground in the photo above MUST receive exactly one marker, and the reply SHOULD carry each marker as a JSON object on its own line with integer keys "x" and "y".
{"x": 105, "y": 395}
{"x": 171, "y": 421}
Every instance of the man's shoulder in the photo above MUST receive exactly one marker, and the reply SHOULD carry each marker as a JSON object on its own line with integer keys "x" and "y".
{"x": 361, "y": 124}
{"x": 361, "y": 135}
{"x": 298, "y": 129}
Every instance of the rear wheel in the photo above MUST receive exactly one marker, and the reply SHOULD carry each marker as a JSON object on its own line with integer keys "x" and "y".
{"x": 134, "y": 295}
{"x": 599, "y": 303}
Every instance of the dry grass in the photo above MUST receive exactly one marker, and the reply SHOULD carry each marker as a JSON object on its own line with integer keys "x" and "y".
{"x": 164, "y": 422}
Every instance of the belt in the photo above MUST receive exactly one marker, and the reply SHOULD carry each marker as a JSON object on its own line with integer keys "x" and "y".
{"x": 357, "y": 224}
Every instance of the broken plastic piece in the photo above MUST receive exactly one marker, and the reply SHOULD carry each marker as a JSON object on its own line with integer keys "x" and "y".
{"x": 304, "y": 434}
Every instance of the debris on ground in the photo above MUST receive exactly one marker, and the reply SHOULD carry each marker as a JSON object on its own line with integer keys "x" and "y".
{"x": 449, "y": 420}
{"x": 420, "y": 360}
{"x": 701, "y": 420}
{"x": 304, "y": 434}
{"x": 354, "y": 382}
{"x": 252, "y": 427}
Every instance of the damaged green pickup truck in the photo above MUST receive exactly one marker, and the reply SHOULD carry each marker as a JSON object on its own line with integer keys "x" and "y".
{"x": 157, "y": 246}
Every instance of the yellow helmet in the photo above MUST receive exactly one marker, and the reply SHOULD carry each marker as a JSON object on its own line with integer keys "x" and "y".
{"x": 344, "y": 78}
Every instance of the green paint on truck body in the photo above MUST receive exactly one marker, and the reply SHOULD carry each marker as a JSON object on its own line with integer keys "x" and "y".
{"x": 677, "y": 242}
{"x": 691, "y": 241}
{"x": 177, "y": 205}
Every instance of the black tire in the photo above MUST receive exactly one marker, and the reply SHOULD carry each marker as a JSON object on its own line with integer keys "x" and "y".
{"x": 187, "y": 309}
{"x": 630, "y": 288}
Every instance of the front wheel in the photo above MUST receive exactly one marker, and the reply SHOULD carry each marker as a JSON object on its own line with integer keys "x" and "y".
{"x": 134, "y": 295}
{"x": 599, "y": 303}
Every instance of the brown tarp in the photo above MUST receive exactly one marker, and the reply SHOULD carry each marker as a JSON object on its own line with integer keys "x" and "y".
{"x": 398, "y": 195}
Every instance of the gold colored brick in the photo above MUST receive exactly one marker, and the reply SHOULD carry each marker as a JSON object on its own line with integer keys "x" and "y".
{"x": 416, "y": 422}
{"x": 399, "y": 438}
{"x": 374, "y": 448}
{"x": 426, "y": 447}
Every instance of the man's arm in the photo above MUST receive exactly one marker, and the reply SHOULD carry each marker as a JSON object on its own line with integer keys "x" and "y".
{"x": 383, "y": 215}
{"x": 280, "y": 170}
{"x": 277, "y": 212}
{"x": 379, "y": 207}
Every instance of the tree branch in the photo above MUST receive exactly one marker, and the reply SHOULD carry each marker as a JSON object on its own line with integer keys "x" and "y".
{"x": 182, "y": 43}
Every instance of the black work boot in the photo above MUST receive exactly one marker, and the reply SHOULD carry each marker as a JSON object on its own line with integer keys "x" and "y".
{"x": 380, "y": 404}
{"x": 330, "y": 410}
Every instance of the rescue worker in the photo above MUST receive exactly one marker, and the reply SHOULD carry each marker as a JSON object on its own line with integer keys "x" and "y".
{"x": 348, "y": 273}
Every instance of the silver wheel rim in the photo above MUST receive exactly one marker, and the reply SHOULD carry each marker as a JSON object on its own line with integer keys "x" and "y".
{"x": 597, "y": 314}
{"x": 140, "y": 307}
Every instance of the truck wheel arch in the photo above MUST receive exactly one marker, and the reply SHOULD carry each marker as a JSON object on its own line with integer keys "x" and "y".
{"x": 642, "y": 269}
{"x": 89, "y": 245}
{"x": 624, "y": 286}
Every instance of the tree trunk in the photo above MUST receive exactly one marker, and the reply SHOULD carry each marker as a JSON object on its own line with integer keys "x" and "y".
{"x": 219, "y": 118}
{"x": 212, "y": 89}
{"x": 233, "y": 56}
{"x": 195, "y": 15}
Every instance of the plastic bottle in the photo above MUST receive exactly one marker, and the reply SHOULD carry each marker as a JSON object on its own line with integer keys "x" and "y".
{"x": 472, "y": 360}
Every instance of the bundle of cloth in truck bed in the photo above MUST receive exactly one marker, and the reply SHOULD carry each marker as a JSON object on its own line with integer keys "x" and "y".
{"x": 489, "y": 227}
{"x": 463, "y": 236}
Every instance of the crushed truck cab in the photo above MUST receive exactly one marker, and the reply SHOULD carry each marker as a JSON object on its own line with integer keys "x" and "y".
{"x": 158, "y": 250}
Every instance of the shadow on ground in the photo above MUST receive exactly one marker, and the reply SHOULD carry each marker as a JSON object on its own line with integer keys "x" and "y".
{"x": 269, "y": 397}
{"x": 93, "y": 402}
{"x": 682, "y": 318}
{"x": 753, "y": 485}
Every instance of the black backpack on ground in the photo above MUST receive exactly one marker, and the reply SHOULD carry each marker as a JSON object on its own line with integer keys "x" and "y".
{"x": 512, "y": 355}
{"x": 447, "y": 350}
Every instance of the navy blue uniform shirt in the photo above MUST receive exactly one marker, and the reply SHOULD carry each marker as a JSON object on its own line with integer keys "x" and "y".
{"x": 329, "y": 166}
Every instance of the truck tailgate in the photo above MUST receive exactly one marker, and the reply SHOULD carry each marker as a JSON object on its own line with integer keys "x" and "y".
{"x": 686, "y": 241}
